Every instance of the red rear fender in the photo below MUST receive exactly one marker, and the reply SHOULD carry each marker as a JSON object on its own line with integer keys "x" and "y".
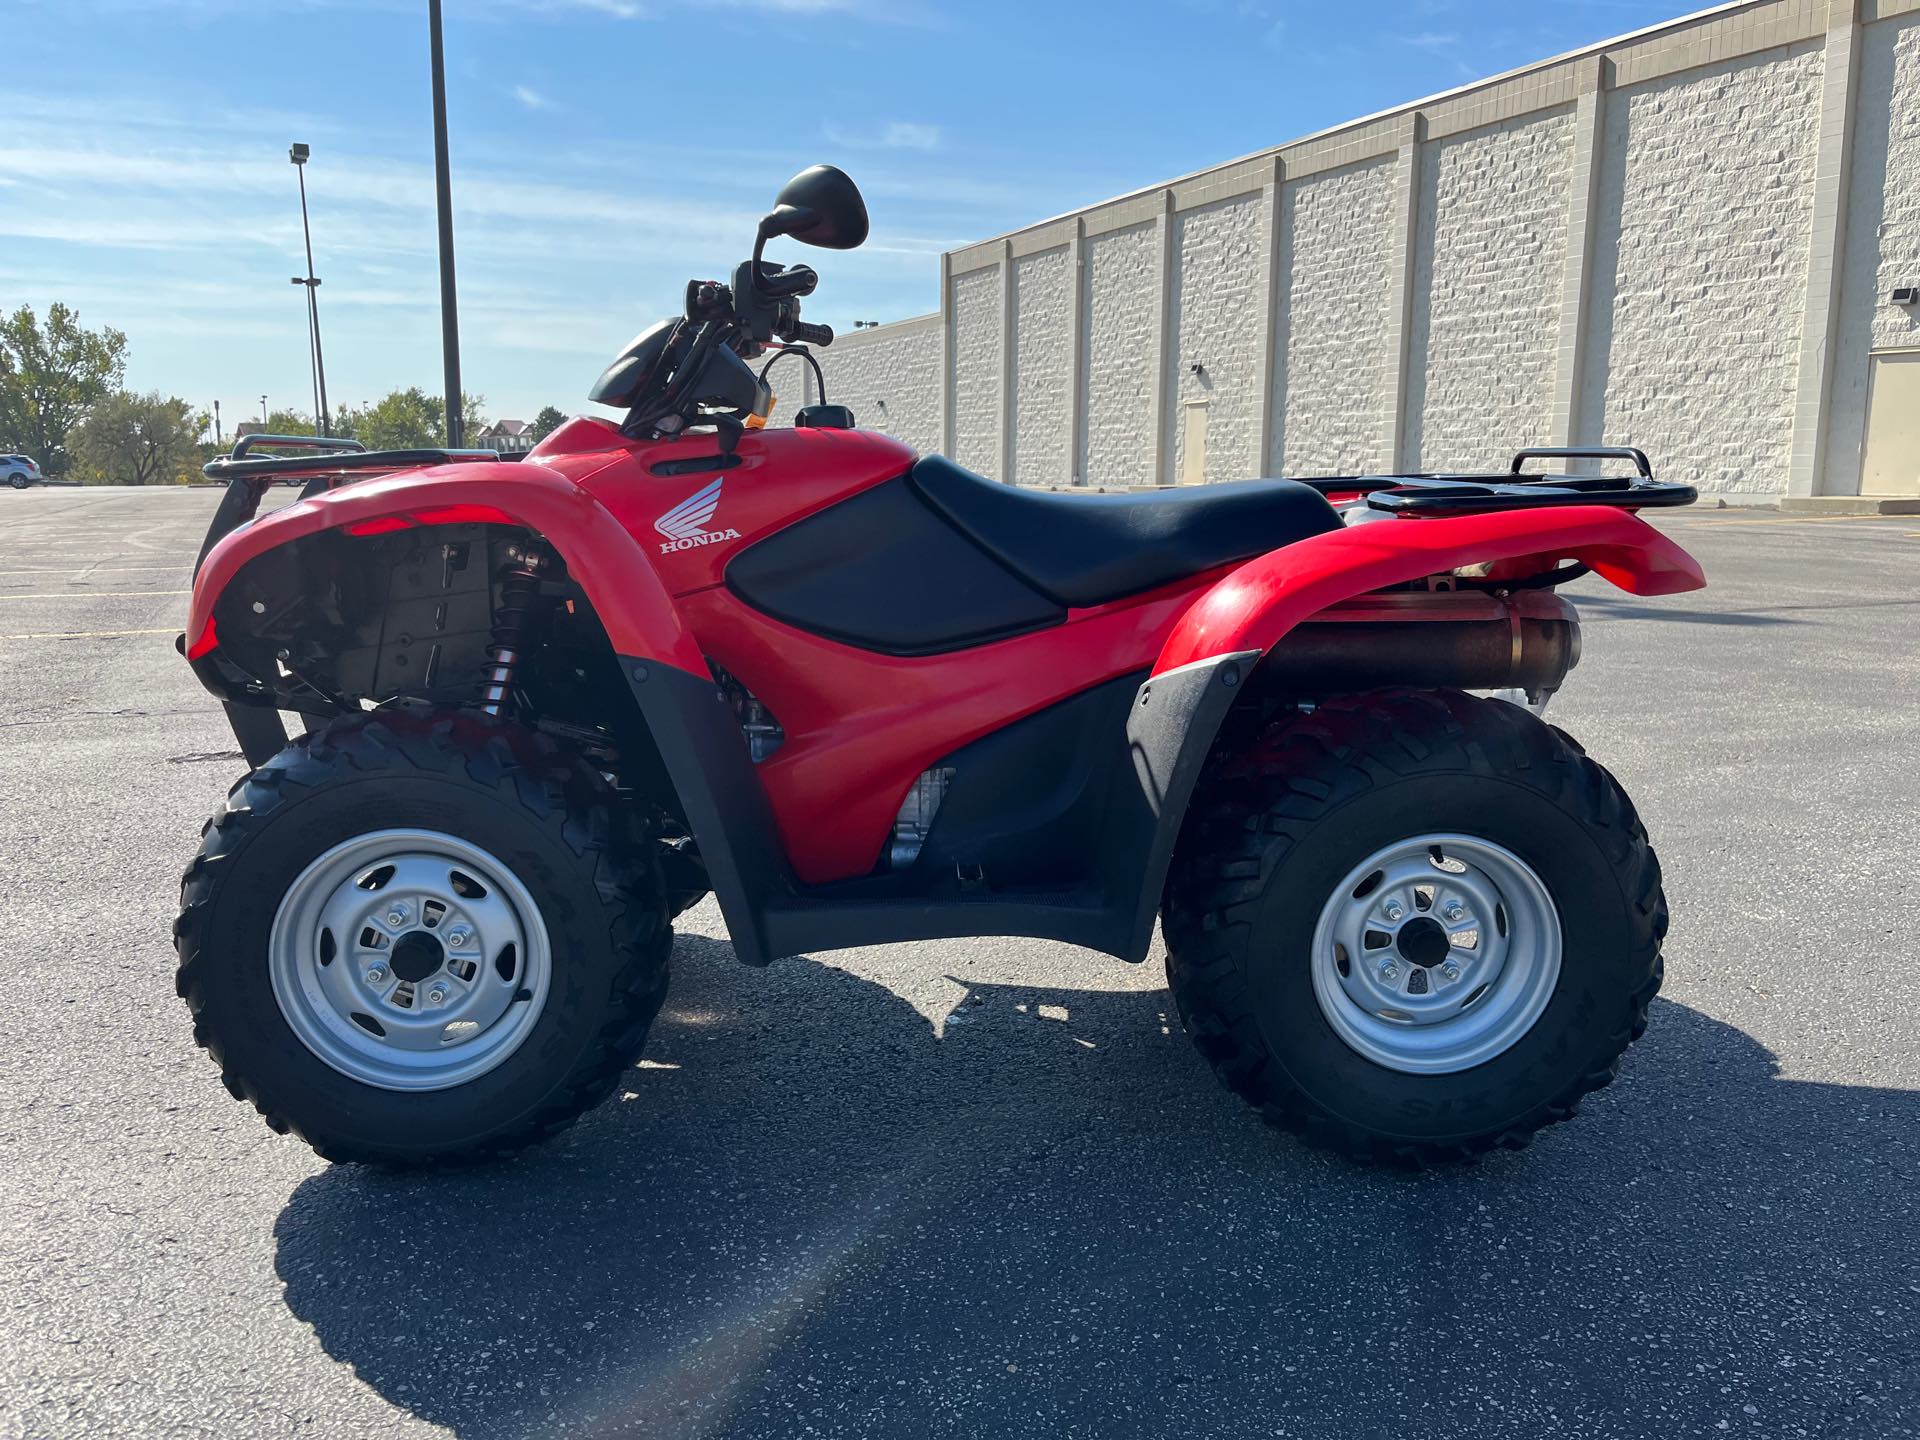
{"x": 1259, "y": 602}
{"x": 640, "y": 617}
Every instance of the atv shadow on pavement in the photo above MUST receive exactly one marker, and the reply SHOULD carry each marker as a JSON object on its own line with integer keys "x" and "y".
{"x": 1608, "y": 607}
{"x": 816, "y": 1212}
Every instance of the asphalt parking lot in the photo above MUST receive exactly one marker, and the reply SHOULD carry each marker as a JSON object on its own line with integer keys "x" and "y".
{"x": 986, "y": 1188}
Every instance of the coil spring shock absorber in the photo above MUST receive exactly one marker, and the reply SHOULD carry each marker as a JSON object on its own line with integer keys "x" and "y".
{"x": 519, "y": 587}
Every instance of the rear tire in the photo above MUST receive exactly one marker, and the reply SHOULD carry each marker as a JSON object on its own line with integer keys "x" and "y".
{"x": 571, "y": 908}
{"x": 1289, "y": 980}
{"x": 19, "y": 482}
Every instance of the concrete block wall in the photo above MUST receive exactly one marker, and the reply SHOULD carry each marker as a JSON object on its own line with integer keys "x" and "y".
{"x": 1218, "y": 366}
{"x": 1331, "y": 370}
{"x": 1042, "y": 377}
{"x": 1882, "y": 242}
{"x": 1491, "y": 248}
{"x": 975, "y": 387}
{"x": 1695, "y": 311}
{"x": 1120, "y": 304}
{"x": 1685, "y": 239}
{"x": 890, "y": 376}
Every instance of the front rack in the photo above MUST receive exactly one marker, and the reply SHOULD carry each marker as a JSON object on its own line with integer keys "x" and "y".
{"x": 1431, "y": 495}
{"x": 337, "y": 457}
{"x": 339, "y": 460}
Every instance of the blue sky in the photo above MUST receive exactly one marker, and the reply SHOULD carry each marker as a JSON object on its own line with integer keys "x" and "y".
{"x": 606, "y": 150}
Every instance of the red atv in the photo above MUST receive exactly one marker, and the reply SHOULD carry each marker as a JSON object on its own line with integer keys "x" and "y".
{"x": 865, "y": 697}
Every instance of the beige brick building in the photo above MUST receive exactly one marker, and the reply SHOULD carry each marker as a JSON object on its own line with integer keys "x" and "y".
{"x": 1700, "y": 238}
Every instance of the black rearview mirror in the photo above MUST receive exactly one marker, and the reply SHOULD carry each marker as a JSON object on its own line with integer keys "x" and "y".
{"x": 819, "y": 206}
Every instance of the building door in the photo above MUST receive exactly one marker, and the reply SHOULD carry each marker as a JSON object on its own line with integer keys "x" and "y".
{"x": 1193, "y": 453}
{"x": 1891, "y": 465}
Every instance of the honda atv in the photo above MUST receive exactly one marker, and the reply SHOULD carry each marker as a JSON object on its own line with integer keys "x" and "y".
{"x": 866, "y": 697}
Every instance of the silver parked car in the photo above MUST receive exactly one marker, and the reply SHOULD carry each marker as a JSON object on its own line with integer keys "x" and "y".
{"x": 19, "y": 471}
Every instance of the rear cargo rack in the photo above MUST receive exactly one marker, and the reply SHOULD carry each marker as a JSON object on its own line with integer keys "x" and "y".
{"x": 1430, "y": 495}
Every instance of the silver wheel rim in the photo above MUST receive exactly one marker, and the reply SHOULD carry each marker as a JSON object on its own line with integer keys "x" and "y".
{"x": 1436, "y": 954}
{"x": 409, "y": 960}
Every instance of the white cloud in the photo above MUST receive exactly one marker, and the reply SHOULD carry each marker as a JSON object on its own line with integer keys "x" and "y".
{"x": 617, "y": 9}
{"x": 907, "y": 135}
{"x": 531, "y": 98}
{"x": 894, "y": 135}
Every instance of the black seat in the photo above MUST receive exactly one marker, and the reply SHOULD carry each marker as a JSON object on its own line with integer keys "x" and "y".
{"x": 1088, "y": 549}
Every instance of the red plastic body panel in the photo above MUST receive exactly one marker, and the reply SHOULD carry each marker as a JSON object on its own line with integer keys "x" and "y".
{"x": 782, "y": 476}
{"x": 1256, "y": 604}
{"x": 860, "y": 726}
{"x": 640, "y": 616}
{"x": 651, "y": 553}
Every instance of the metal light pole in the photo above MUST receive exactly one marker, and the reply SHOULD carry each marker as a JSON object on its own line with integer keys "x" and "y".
{"x": 298, "y": 155}
{"x": 443, "y": 186}
{"x": 313, "y": 367}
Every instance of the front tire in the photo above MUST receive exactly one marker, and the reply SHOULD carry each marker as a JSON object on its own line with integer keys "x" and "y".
{"x": 422, "y": 937}
{"x": 1413, "y": 926}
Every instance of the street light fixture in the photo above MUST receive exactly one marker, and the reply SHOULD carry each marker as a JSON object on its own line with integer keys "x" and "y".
{"x": 298, "y": 155}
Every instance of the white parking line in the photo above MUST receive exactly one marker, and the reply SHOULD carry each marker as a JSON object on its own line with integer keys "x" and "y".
{"x": 108, "y": 570}
{"x": 89, "y": 634}
{"x": 95, "y": 594}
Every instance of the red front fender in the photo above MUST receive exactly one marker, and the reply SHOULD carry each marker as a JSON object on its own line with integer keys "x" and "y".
{"x": 1258, "y": 603}
{"x": 640, "y": 617}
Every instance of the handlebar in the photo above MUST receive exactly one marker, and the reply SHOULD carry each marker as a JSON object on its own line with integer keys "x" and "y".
{"x": 810, "y": 334}
{"x": 785, "y": 284}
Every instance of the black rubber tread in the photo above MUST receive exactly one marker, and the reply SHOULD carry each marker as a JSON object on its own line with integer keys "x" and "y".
{"x": 1253, "y": 807}
{"x": 558, "y": 791}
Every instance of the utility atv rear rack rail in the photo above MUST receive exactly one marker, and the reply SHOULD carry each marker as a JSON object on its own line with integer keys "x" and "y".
{"x": 1426, "y": 496}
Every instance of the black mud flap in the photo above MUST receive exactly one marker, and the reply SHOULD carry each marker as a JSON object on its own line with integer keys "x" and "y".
{"x": 1169, "y": 732}
{"x": 732, "y": 823}
{"x": 259, "y": 731}
{"x": 258, "y": 728}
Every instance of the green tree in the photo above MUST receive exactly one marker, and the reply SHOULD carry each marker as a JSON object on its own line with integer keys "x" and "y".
{"x": 290, "y": 422}
{"x": 407, "y": 419}
{"x": 130, "y": 439}
{"x": 403, "y": 419}
{"x": 50, "y": 376}
{"x": 471, "y": 420}
{"x": 346, "y": 422}
{"x": 546, "y": 422}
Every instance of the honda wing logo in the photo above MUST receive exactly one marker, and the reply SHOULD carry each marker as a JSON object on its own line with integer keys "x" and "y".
{"x": 685, "y": 525}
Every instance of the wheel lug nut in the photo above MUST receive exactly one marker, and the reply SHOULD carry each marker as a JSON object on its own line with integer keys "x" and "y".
{"x": 1450, "y": 970}
{"x": 1393, "y": 910}
{"x": 376, "y": 975}
{"x": 1389, "y": 971}
{"x": 437, "y": 995}
{"x": 397, "y": 914}
{"x": 1455, "y": 910}
{"x": 458, "y": 938}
